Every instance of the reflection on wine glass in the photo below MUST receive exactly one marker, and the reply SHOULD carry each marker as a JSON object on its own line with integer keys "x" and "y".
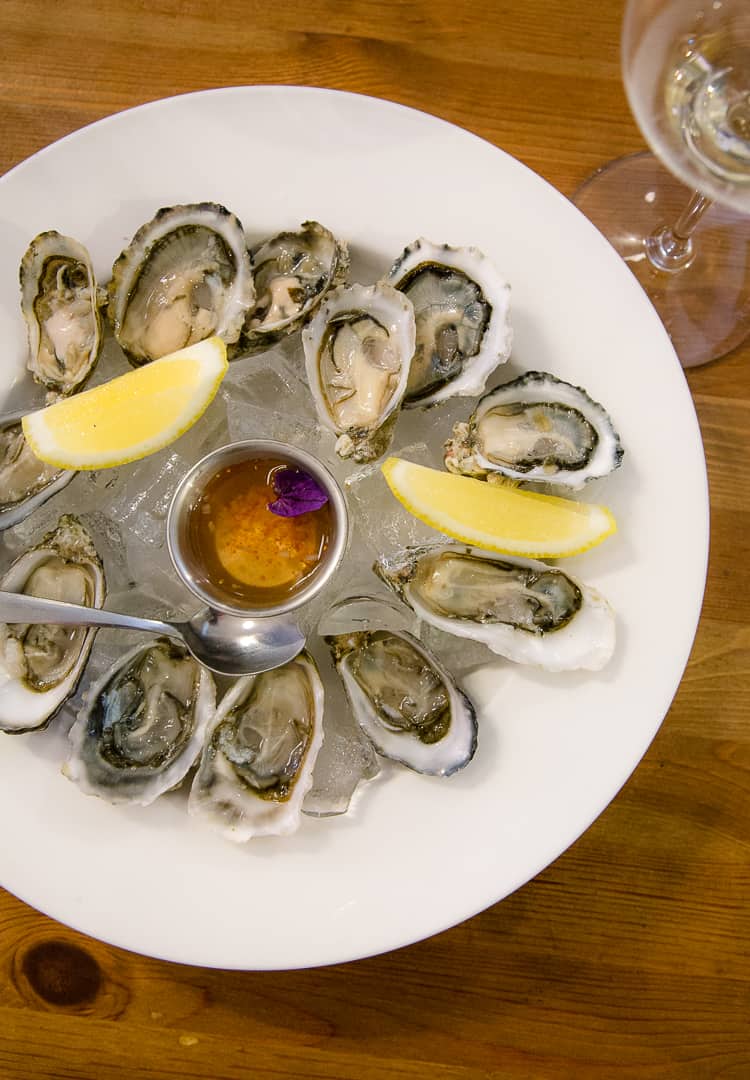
{"x": 686, "y": 69}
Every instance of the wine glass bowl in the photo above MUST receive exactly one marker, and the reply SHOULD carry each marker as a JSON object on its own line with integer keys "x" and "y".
{"x": 686, "y": 71}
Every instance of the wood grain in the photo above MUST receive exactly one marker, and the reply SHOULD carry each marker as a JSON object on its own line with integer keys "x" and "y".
{"x": 628, "y": 958}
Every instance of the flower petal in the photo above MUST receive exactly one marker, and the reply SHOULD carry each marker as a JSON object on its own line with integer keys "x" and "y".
{"x": 298, "y": 492}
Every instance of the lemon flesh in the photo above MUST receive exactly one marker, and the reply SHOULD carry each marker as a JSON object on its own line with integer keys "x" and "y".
{"x": 497, "y": 518}
{"x": 132, "y": 415}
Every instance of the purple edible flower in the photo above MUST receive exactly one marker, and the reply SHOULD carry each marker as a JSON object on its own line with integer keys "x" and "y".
{"x": 298, "y": 492}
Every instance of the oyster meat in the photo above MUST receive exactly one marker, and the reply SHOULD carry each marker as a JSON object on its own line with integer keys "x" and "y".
{"x": 142, "y": 724}
{"x": 25, "y": 481}
{"x": 292, "y": 272}
{"x": 462, "y": 311}
{"x": 358, "y": 347}
{"x": 185, "y": 276}
{"x": 61, "y": 304}
{"x": 536, "y": 427}
{"x": 522, "y": 609}
{"x": 405, "y": 701}
{"x": 39, "y": 664}
{"x": 257, "y": 762}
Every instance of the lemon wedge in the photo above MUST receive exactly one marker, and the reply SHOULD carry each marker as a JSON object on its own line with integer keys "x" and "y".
{"x": 497, "y": 518}
{"x": 132, "y": 415}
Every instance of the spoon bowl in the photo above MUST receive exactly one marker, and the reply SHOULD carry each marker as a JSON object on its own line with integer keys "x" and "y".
{"x": 230, "y": 645}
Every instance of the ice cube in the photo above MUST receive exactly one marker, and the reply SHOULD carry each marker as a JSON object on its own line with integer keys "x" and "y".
{"x": 274, "y": 379}
{"x": 142, "y": 497}
{"x": 112, "y": 360}
{"x": 382, "y": 525}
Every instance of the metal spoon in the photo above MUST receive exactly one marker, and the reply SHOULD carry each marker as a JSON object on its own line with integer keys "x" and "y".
{"x": 227, "y": 644}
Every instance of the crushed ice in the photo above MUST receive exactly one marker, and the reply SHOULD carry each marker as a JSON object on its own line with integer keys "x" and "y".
{"x": 125, "y": 508}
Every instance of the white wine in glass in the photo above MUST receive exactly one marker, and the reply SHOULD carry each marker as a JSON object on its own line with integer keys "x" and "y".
{"x": 686, "y": 70}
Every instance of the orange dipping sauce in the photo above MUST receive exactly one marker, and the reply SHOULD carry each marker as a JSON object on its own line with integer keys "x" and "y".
{"x": 254, "y": 557}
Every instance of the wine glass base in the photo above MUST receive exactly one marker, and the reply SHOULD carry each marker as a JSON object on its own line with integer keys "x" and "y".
{"x": 705, "y": 305}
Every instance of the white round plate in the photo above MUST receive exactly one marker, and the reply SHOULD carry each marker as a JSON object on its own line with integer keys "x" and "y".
{"x": 418, "y": 854}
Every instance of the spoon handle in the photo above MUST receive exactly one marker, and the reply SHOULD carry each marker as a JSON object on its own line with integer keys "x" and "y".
{"x": 19, "y": 608}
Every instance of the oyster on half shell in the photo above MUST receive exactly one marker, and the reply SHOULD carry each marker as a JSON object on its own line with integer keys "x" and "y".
{"x": 184, "y": 277}
{"x": 60, "y": 303}
{"x": 525, "y": 610}
{"x": 358, "y": 348}
{"x": 292, "y": 272}
{"x": 536, "y": 427}
{"x": 462, "y": 311}
{"x": 142, "y": 724}
{"x": 25, "y": 481}
{"x": 40, "y": 664}
{"x": 404, "y": 700}
{"x": 260, "y": 750}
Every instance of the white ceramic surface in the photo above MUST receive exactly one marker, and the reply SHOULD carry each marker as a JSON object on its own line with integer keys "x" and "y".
{"x": 418, "y": 854}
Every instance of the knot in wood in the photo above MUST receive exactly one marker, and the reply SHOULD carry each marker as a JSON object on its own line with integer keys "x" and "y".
{"x": 62, "y": 974}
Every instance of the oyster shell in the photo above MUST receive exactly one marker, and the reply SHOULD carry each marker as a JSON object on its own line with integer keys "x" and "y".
{"x": 185, "y": 276}
{"x": 525, "y": 610}
{"x": 536, "y": 427}
{"x": 404, "y": 700}
{"x": 358, "y": 347}
{"x": 292, "y": 272}
{"x": 60, "y": 303}
{"x": 39, "y": 664}
{"x": 142, "y": 724}
{"x": 25, "y": 481}
{"x": 257, "y": 763}
{"x": 461, "y": 306}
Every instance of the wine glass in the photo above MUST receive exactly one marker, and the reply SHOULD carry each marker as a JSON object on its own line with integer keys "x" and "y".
{"x": 686, "y": 70}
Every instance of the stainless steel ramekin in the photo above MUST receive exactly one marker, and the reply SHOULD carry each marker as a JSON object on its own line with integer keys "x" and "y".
{"x": 194, "y": 483}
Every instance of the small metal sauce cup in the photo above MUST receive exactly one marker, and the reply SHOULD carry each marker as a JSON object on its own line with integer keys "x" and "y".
{"x": 193, "y": 485}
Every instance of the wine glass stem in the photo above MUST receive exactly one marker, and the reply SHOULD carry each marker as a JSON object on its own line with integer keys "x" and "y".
{"x": 671, "y": 248}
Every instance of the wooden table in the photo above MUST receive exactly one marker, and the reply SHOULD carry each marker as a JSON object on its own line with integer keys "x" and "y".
{"x": 628, "y": 957}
